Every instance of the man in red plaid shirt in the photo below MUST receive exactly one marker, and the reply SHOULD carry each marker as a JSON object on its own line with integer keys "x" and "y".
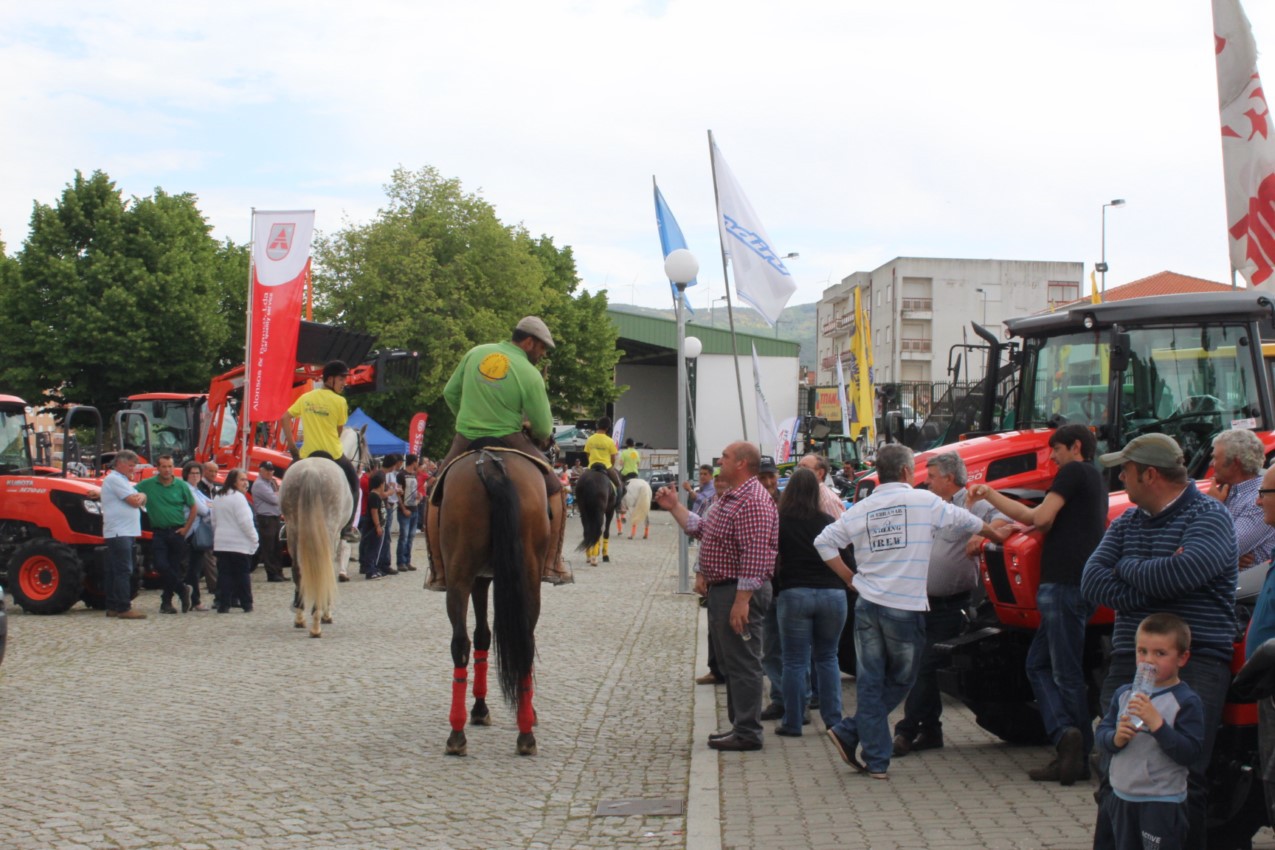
{"x": 739, "y": 541}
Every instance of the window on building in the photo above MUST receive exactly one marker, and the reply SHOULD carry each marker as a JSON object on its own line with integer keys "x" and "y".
{"x": 1062, "y": 292}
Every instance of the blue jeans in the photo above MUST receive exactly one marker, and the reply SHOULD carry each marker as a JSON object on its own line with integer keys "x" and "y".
{"x": 811, "y": 619}
{"x": 888, "y": 643}
{"x": 1055, "y": 661}
{"x": 119, "y": 573}
{"x": 406, "y": 533}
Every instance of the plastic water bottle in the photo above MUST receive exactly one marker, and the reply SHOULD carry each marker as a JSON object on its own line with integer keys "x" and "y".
{"x": 1143, "y": 683}
{"x": 746, "y": 634}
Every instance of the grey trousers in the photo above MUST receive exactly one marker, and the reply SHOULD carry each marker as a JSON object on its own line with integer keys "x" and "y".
{"x": 739, "y": 659}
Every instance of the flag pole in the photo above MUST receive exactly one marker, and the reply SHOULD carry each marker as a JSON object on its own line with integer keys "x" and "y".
{"x": 730, "y": 313}
{"x": 247, "y": 344}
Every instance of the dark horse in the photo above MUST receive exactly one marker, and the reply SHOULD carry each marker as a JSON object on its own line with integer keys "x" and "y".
{"x": 494, "y": 528}
{"x": 596, "y": 501}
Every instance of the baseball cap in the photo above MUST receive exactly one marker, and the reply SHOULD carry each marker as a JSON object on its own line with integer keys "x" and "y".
{"x": 265, "y": 464}
{"x": 1151, "y": 449}
{"x": 767, "y": 464}
{"x": 534, "y": 326}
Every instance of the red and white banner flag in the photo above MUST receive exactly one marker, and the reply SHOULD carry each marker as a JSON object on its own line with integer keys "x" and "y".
{"x": 417, "y": 436}
{"x": 280, "y": 261}
{"x": 1248, "y": 152}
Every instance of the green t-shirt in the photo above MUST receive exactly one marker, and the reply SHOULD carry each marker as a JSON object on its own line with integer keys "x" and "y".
{"x": 629, "y": 461}
{"x": 167, "y": 507}
{"x": 493, "y": 388}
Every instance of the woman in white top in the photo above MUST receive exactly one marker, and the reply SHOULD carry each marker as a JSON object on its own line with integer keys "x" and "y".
{"x": 234, "y": 542}
{"x": 192, "y": 474}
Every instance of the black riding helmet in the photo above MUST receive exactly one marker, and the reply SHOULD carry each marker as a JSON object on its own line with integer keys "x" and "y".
{"x": 335, "y": 369}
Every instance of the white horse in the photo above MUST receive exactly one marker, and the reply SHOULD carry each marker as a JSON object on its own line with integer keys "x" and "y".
{"x": 636, "y": 505}
{"x": 316, "y": 503}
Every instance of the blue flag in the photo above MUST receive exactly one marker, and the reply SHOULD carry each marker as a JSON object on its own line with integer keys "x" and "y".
{"x": 671, "y": 238}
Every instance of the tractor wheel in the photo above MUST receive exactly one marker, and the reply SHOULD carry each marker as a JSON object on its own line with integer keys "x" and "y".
{"x": 46, "y": 577}
{"x": 1013, "y": 723}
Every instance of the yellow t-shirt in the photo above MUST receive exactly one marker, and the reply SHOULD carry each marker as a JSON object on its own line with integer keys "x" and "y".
{"x": 630, "y": 460}
{"x": 600, "y": 448}
{"x": 323, "y": 414}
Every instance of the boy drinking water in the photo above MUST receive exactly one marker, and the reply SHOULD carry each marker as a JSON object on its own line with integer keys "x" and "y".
{"x": 1148, "y": 773}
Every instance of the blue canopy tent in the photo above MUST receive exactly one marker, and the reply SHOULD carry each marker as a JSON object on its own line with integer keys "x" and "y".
{"x": 379, "y": 440}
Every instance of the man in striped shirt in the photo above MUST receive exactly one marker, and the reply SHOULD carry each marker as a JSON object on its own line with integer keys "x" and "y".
{"x": 739, "y": 541}
{"x": 1175, "y": 551}
{"x": 892, "y": 531}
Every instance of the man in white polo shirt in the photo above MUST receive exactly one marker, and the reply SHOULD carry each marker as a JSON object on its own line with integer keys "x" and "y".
{"x": 892, "y": 531}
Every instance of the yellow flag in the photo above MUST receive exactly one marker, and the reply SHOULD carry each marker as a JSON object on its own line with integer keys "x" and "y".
{"x": 1094, "y": 295}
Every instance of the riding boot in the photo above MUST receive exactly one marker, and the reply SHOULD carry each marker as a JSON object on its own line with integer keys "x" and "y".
{"x": 555, "y": 571}
{"x": 436, "y": 579}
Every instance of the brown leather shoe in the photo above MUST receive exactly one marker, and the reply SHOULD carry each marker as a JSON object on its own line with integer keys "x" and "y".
{"x": 709, "y": 679}
{"x": 130, "y": 614}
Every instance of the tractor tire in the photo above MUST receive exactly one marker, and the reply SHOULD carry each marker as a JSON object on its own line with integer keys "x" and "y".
{"x": 1013, "y": 723}
{"x": 45, "y": 577}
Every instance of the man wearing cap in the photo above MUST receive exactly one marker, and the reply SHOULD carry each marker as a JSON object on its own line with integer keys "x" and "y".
{"x": 1174, "y": 552}
{"x": 265, "y": 511}
{"x": 323, "y": 412}
{"x": 495, "y": 387}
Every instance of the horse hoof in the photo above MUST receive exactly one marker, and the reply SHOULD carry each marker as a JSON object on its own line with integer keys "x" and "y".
{"x": 316, "y": 634}
{"x": 326, "y": 619}
{"x": 606, "y": 559}
{"x": 298, "y": 625}
{"x": 480, "y": 720}
{"x": 456, "y": 744}
{"x": 526, "y": 744}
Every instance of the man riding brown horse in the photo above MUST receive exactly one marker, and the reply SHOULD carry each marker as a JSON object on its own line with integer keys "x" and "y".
{"x": 496, "y": 387}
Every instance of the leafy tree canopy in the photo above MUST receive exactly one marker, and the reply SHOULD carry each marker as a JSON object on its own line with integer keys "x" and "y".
{"x": 113, "y": 297}
{"x": 437, "y": 272}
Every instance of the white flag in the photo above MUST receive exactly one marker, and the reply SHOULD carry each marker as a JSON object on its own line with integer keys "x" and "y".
{"x": 845, "y": 399}
{"x": 1248, "y": 152}
{"x": 761, "y": 278}
{"x": 768, "y": 434}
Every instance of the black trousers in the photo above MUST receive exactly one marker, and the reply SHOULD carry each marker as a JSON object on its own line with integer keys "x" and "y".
{"x": 169, "y": 552}
{"x": 233, "y": 581}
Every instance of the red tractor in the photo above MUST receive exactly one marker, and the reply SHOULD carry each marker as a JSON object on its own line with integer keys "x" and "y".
{"x": 50, "y": 516}
{"x": 1188, "y": 366}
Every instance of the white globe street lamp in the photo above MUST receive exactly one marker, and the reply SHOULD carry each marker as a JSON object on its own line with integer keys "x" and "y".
{"x": 681, "y": 268}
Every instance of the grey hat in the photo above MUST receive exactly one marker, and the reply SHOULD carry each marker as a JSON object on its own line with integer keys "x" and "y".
{"x": 533, "y": 326}
{"x": 1151, "y": 449}
{"x": 265, "y": 464}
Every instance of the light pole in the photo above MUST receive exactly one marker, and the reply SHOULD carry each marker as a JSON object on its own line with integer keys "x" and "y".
{"x": 1102, "y": 266}
{"x": 983, "y": 292}
{"x": 681, "y": 267}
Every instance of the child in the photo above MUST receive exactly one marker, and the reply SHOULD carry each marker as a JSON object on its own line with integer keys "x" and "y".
{"x": 372, "y": 525}
{"x": 1147, "y": 806}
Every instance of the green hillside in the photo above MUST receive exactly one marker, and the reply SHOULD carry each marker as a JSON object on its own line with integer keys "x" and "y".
{"x": 797, "y": 323}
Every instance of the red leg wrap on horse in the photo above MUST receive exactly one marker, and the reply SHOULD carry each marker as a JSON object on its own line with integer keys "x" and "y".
{"x": 480, "y": 674}
{"x": 526, "y": 712}
{"x": 457, "y": 715}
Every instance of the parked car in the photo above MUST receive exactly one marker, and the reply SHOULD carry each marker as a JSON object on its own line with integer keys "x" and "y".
{"x": 658, "y": 479}
{"x": 571, "y": 440}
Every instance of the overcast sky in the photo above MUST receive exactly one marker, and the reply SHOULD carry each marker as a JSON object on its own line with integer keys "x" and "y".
{"x": 860, "y": 131}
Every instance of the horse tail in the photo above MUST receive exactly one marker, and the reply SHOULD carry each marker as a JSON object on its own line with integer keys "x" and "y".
{"x": 511, "y": 627}
{"x": 313, "y": 541}
{"x": 591, "y": 502}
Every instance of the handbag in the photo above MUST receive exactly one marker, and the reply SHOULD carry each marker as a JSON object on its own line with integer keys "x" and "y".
{"x": 202, "y": 538}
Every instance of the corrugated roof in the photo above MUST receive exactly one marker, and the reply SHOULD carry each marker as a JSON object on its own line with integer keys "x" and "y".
{"x": 662, "y": 333}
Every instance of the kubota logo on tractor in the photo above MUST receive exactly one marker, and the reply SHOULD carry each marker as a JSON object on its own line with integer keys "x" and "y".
{"x": 280, "y": 241}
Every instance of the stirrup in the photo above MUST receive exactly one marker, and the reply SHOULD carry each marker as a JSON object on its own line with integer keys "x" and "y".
{"x": 350, "y": 534}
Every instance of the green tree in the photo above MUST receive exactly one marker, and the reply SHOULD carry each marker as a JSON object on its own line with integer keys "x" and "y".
{"x": 112, "y": 297}
{"x": 437, "y": 272}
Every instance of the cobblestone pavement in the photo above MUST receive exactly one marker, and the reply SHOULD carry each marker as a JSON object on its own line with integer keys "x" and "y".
{"x": 237, "y": 732}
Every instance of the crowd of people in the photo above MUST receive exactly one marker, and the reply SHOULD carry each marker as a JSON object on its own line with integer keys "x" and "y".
{"x": 775, "y": 572}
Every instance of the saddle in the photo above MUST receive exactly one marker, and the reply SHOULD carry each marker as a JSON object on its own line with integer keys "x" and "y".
{"x": 488, "y": 444}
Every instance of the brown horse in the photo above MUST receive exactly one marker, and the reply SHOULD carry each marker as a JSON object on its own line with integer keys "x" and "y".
{"x": 494, "y": 529}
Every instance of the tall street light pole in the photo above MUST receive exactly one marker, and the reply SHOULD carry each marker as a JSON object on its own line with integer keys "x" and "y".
{"x": 1102, "y": 266}
{"x": 681, "y": 267}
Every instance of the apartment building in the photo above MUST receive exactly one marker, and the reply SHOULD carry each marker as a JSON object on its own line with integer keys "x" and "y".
{"x": 920, "y": 307}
